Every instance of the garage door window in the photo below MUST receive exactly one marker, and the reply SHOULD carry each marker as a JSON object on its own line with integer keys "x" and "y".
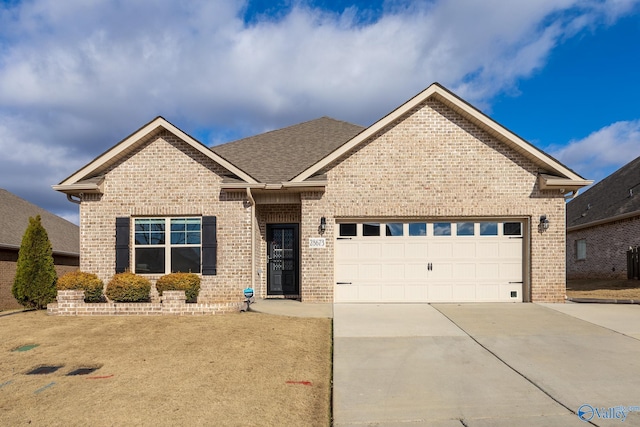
{"x": 488, "y": 228}
{"x": 442, "y": 229}
{"x": 512, "y": 229}
{"x": 371, "y": 229}
{"x": 464, "y": 229}
{"x": 417, "y": 229}
{"x": 348, "y": 230}
{"x": 394, "y": 229}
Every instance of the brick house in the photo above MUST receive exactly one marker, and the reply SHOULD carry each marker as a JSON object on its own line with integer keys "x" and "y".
{"x": 14, "y": 219}
{"x": 602, "y": 224}
{"x": 433, "y": 202}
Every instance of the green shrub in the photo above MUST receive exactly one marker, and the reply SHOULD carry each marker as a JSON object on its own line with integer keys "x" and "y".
{"x": 34, "y": 285}
{"x": 88, "y": 282}
{"x": 187, "y": 282}
{"x": 128, "y": 287}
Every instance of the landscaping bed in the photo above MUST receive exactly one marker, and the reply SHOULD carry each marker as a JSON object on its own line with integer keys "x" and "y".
{"x": 235, "y": 369}
{"x": 616, "y": 289}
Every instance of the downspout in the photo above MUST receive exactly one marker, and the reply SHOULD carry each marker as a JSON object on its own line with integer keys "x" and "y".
{"x": 252, "y": 202}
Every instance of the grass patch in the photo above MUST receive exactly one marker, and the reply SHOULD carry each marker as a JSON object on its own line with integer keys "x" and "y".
{"x": 245, "y": 369}
{"x": 604, "y": 289}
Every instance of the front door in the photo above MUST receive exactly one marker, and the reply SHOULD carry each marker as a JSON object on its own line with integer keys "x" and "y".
{"x": 283, "y": 259}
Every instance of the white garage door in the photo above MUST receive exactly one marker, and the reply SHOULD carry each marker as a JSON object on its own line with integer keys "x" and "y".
{"x": 429, "y": 261}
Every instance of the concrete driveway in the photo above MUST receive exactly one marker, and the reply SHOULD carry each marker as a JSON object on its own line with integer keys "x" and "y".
{"x": 486, "y": 365}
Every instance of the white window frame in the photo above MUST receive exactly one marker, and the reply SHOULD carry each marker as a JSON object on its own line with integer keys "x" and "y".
{"x": 167, "y": 242}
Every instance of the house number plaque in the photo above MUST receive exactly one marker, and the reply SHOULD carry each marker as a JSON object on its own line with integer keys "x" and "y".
{"x": 317, "y": 242}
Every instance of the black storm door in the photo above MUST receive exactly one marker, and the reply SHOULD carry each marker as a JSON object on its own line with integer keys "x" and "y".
{"x": 283, "y": 259}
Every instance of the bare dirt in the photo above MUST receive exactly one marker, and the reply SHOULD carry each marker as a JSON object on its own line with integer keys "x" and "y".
{"x": 604, "y": 289}
{"x": 246, "y": 369}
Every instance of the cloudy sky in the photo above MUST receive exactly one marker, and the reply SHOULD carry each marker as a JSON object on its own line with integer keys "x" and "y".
{"x": 77, "y": 76}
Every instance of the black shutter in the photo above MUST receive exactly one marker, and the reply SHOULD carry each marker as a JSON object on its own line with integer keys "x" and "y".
{"x": 122, "y": 244}
{"x": 209, "y": 246}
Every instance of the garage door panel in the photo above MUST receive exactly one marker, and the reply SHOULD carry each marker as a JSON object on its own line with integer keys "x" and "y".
{"x": 441, "y": 270}
{"x": 416, "y": 292}
{"x": 464, "y": 271}
{"x": 370, "y": 293}
{"x": 416, "y": 250}
{"x": 488, "y": 291}
{"x": 489, "y": 249}
{"x": 440, "y": 292}
{"x": 464, "y": 292}
{"x": 465, "y": 249}
{"x": 488, "y": 270}
{"x": 440, "y": 250}
{"x": 393, "y": 251}
{"x": 393, "y": 271}
{"x": 416, "y": 271}
{"x": 347, "y": 250}
{"x": 369, "y": 271}
{"x": 348, "y": 272}
{"x": 393, "y": 291}
{"x": 370, "y": 250}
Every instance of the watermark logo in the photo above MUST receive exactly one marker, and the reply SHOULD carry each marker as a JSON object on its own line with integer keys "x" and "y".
{"x": 587, "y": 412}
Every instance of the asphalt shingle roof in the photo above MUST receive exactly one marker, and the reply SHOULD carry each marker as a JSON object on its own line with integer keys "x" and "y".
{"x": 617, "y": 194}
{"x": 282, "y": 154}
{"x": 14, "y": 219}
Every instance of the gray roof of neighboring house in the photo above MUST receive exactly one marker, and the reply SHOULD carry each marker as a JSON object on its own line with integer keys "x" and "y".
{"x": 280, "y": 155}
{"x": 14, "y": 219}
{"x": 618, "y": 194}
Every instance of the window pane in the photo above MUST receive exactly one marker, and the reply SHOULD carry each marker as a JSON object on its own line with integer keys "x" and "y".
{"x": 193, "y": 238}
{"x": 394, "y": 229}
{"x": 442, "y": 229}
{"x": 142, "y": 239}
{"x": 465, "y": 229}
{"x": 149, "y": 260}
{"x": 348, "y": 229}
{"x": 185, "y": 231}
{"x": 177, "y": 226}
{"x": 512, "y": 229}
{"x": 488, "y": 228}
{"x": 417, "y": 229}
{"x": 372, "y": 229}
{"x": 185, "y": 260}
{"x": 149, "y": 231}
{"x": 177, "y": 238}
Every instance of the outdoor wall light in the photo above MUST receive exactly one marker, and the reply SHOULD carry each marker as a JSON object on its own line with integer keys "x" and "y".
{"x": 544, "y": 223}
{"x": 323, "y": 225}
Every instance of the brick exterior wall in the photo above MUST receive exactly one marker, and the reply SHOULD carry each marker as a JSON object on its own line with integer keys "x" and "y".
{"x": 434, "y": 164}
{"x": 607, "y": 247}
{"x": 8, "y": 265}
{"x": 167, "y": 177}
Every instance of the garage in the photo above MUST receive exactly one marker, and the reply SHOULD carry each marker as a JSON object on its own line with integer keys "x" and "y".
{"x": 429, "y": 261}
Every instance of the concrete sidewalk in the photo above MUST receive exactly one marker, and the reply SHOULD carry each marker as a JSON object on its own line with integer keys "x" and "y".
{"x": 478, "y": 365}
{"x": 293, "y": 308}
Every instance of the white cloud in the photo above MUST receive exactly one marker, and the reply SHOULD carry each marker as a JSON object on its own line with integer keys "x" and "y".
{"x": 603, "y": 151}
{"x": 77, "y": 76}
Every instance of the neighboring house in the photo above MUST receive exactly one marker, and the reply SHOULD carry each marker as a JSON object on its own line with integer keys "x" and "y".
{"x": 14, "y": 219}
{"x": 602, "y": 224}
{"x": 433, "y": 202}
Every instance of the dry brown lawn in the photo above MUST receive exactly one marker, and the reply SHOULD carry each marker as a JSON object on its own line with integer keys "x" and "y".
{"x": 604, "y": 289}
{"x": 244, "y": 369}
